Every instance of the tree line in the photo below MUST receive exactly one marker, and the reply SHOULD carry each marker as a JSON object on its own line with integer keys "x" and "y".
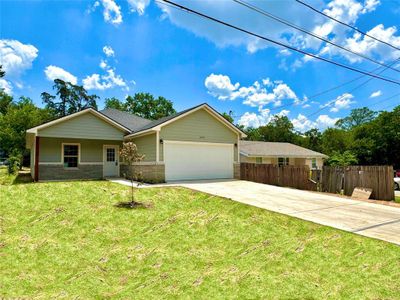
{"x": 364, "y": 137}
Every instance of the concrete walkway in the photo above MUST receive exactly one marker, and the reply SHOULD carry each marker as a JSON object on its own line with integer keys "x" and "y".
{"x": 368, "y": 219}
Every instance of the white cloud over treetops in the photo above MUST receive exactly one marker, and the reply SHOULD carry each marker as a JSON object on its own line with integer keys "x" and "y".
{"x": 258, "y": 94}
{"x": 54, "y": 72}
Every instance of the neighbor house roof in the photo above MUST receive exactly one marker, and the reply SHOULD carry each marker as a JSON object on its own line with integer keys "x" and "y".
{"x": 131, "y": 121}
{"x": 251, "y": 148}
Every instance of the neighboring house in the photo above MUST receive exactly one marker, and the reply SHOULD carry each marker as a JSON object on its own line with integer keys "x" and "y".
{"x": 197, "y": 143}
{"x": 279, "y": 154}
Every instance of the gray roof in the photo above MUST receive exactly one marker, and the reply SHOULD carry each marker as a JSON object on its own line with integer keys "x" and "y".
{"x": 130, "y": 121}
{"x": 250, "y": 148}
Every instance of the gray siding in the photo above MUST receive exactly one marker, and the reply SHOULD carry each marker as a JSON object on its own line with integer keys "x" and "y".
{"x": 85, "y": 126}
{"x": 147, "y": 145}
{"x": 199, "y": 126}
{"x": 91, "y": 150}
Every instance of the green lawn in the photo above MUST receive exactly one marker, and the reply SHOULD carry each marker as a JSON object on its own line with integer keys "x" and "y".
{"x": 397, "y": 199}
{"x": 68, "y": 240}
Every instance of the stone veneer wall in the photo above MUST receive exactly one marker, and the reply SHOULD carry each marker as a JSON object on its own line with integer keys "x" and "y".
{"x": 151, "y": 173}
{"x": 58, "y": 172}
{"x": 236, "y": 171}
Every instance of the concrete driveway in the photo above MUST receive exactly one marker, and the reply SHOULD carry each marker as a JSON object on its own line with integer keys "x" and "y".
{"x": 368, "y": 219}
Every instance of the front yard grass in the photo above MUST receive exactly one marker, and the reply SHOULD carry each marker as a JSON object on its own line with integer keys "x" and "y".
{"x": 68, "y": 240}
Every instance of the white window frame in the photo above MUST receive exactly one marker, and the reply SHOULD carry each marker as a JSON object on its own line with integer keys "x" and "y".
{"x": 285, "y": 161}
{"x": 314, "y": 166}
{"x": 79, "y": 155}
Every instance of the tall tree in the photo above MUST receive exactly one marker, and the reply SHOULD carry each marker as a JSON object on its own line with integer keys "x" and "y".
{"x": 19, "y": 117}
{"x": 146, "y": 106}
{"x": 357, "y": 117}
{"x": 114, "y": 103}
{"x": 312, "y": 139}
{"x": 228, "y": 116}
{"x": 2, "y": 73}
{"x": 279, "y": 129}
{"x": 378, "y": 142}
{"x": 5, "y": 102}
{"x": 71, "y": 98}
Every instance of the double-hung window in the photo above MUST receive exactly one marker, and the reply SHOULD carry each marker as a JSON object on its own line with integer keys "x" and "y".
{"x": 314, "y": 163}
{"x": 70, "y": 155}
{"x": 283, "y": 161}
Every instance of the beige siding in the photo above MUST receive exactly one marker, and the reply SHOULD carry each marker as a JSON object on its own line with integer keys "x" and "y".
{"x": 199, "y": 126}
{"x": 91, "y": 150}
{"x": 297, "y": 161}
{"x": 85, "y": 126}
{"x": 147, "y": 145}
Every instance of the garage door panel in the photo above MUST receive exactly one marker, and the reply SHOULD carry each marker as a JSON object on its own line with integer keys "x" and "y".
{"x": 185, "y": 161}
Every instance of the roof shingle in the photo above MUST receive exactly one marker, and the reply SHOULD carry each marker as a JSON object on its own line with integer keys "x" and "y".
{"x": 255, "y": 148}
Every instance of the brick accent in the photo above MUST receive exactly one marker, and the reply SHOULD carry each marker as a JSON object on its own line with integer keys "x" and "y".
{"x": 151, "y": 173}
{"x": 58, "y": 172}
{"x": 236, "y": 171}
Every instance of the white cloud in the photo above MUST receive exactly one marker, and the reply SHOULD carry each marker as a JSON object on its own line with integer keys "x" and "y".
{"x": 376, "y": 94}
{"x": 105, "y": 81}
{"x": 242, "y": 17}
{"x": 108, "y": 51}
{"x": 302, "y": 123}
{"x": 6, "y": 86}
{"x": 220, "y": 86}
{"x": 255, "y": 120}
{"x": 368, "y": 46}
{"x": 112, "y": 12}
{"x": 256, "y": 95}
{"x": 324, "y": 121}
{"x": 53, "y": 72}
{"x": 138, "y": 6}
{"x": 249, "y": 119}
{"x": 341, "y": 102}
{"x": 16, "y": 57}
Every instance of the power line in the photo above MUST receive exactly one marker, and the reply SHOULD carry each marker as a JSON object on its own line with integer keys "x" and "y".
{"x": 386, "y": 99}
{"x": 345, "y": 24}
{"x": 352, "y": 90}
{"x": 279, "y": 43}
{"x": 333, "y": 88}
{"x": 288, "y": 23}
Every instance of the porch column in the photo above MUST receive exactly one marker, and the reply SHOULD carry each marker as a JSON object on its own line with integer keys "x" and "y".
{"x": 36, "y": 171}
{"x": 157, "y": 146}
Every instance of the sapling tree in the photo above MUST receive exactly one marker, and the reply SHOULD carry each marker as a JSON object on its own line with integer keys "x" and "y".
{"x": 131, "y": 156}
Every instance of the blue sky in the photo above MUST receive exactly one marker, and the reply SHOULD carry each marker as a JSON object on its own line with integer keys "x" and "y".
{"x": 116, "y": 48}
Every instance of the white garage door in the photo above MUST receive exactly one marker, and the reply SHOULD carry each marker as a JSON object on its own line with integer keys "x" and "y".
{"x": 186, "y": 160}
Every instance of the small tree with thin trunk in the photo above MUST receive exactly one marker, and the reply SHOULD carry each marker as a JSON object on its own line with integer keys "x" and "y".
{"x": 131, "y": 156}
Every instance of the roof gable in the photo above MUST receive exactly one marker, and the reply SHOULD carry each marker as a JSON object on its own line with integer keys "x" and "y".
{"x": 88, "y": 111}
{"x": 157, "y": 124}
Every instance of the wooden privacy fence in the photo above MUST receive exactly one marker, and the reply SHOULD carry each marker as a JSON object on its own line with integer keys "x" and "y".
{"x": 290, "y": 176}
{"x": 378, "y": 178}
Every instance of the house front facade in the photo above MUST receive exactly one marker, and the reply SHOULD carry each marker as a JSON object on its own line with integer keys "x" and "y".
{"x": 280, "y": 154}
{"x": 197, "y": 143}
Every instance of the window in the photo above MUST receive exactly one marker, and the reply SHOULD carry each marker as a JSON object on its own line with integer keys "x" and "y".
{"x": 314, "y": 163}
{"x": 71, "y": 154}
{"x": 110, "y": 154}
{"x": 258, "y": 160}
{"x": 283, "y": 161}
